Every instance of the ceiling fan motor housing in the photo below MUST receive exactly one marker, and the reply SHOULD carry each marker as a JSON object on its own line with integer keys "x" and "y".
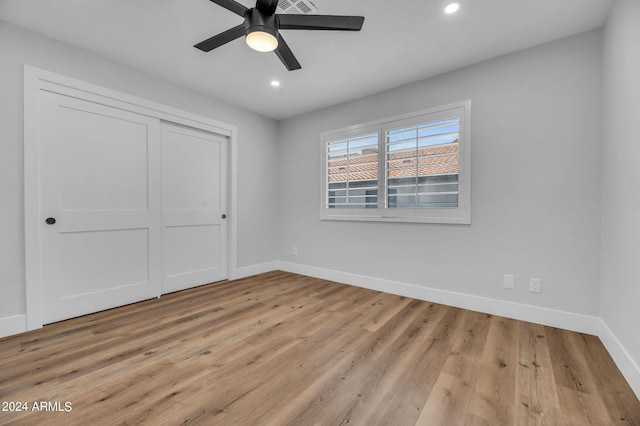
{"x": 257, "y": 21}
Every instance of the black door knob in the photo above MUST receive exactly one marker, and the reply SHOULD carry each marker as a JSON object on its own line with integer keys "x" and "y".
{"x": 224, "y": 216}
{"x": 50, "y": 220}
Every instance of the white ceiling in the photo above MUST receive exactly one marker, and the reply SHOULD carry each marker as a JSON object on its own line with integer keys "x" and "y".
{"x": 402, "y": 41}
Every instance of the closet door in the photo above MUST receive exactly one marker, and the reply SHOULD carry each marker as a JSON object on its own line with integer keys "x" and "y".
{"x": 194, "y": 212}
{"x": 99, "y": 205}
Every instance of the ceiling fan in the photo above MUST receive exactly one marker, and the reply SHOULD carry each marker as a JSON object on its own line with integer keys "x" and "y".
{"x": 261, "y": 25}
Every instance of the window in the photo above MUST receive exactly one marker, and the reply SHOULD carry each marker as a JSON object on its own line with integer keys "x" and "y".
{"x": 414, "y": 168}
{"x": 352, "y": 172}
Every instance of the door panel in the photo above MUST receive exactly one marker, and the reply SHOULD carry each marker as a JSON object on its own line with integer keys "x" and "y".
{"x": 102, "y": 260}
{"x": 194, "y": 197}
{"x": 191, "y": 170}
{"x": 93, "y": 148}
{"x": 100, "y": 180}
{"x": 191, "y": 249}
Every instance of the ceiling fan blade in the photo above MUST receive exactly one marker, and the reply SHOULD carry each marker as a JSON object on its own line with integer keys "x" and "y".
{"x": 320, "y": 22}
{"x": 268, "y": 7}
{"x": 232, "y": 5}
{"x": 286, "y": 55}
{"x": 222, "y": 38}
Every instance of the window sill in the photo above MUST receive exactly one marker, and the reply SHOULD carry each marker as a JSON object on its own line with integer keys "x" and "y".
{"x": 449, "y": 220}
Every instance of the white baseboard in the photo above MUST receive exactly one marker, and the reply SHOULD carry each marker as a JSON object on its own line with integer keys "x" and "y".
{"x": 544, "y": 316}
{"x": 628, "y": 367}
{"x": 13, "y": 325}
{"x": 247, "y": 271}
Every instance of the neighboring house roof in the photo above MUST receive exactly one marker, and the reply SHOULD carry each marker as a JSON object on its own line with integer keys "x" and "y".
{"x": 432, "y": 161}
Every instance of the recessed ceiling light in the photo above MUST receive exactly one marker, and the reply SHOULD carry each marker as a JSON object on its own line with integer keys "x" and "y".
{"x": 452, "y": 8}
{"x": 275, "y": 83}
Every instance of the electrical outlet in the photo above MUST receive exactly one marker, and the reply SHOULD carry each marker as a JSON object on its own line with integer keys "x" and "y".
{"x": 295, "y": 251}
{"x": 509, "y": 281}
{"x": 535, "y": 285}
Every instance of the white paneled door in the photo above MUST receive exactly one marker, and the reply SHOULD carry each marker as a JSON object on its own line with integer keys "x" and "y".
{"x": 131, "y": 207}
{"x": 194, "y": 207}
{"x": 100, "y": 207}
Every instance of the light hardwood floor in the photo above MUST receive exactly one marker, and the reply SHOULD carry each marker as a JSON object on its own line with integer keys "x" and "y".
{"x": 281, "y": 348}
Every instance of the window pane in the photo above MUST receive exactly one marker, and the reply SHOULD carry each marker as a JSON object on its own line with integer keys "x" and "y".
{"x": 402, "y": 190}
{"x": 447, "y": 187}
{"x": 352, "y": 164}
{"x": 402, "y": 201}
{"x": 452, "y": 178}
{"x": 363, "y": 192}
{"x": 401, "y": 181}
{"x": 438, "y": 201}
{"x": 422, "y": 165}
{"x": 337, "y": 185}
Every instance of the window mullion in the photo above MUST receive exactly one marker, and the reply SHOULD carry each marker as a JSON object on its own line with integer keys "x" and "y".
{"x": 348, "y": 174}
{"x": 382, "y": 169}
{"x": 415, "y": 205}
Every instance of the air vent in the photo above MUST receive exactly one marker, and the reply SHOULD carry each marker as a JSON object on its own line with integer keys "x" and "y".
{"x": 304, "y": 7}
{"x": 283, "y": 5}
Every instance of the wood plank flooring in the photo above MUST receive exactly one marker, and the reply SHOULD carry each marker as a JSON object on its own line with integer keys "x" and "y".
{"x": 280, "y": 348}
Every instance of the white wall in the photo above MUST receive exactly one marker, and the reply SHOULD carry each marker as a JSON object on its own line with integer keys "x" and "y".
{"x": 535, "y": 183}
{"x": 620, "y": 287}
{"x": 257, "y": 148}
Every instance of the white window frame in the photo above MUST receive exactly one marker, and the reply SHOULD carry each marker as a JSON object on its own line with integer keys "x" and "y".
{"x": 459, "y": 215}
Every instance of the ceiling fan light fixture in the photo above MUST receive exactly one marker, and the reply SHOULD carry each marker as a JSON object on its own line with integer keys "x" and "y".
{"x": 261, "y": 41}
